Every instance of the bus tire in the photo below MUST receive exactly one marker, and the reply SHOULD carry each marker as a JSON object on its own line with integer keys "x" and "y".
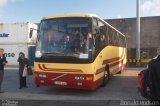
{"x": 106, "y": 76}
{"x": 37, "y": 86}
{"x": 119, "y": 72}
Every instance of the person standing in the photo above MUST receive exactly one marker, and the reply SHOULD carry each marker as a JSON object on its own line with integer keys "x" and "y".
{"x": 23, "y": 62}
{"x": 3, "y": 62}
{"x": 154, "y": 67}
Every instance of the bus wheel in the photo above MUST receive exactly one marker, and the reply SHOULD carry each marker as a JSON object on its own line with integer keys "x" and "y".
{"x": 106, "y": 76}
{"x": 119, "y": 72}
{"x": 37, "y": 86}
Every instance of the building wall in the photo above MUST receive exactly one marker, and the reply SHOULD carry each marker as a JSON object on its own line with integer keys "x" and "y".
{"x": 150, "y": 34}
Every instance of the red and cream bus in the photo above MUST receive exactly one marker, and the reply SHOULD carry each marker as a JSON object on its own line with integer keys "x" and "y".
{"x": 78, "y": 51}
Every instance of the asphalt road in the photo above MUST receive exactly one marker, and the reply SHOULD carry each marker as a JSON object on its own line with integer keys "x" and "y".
{"x": 120, "y": 87}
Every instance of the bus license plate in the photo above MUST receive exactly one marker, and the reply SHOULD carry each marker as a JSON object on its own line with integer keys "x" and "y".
{"x": 60, "y": 83}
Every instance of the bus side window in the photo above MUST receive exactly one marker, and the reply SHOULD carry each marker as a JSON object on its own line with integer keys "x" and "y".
{"x": 95, "y": 26}
{"x": 99, "y": 32}
{"x": 96, "y": 34}
{"x": 112, "y": 37}
{"x": 118, "y": 39}
{"x": 121, "y": 41}
{"x": 109, "y": 36}
{"x": 102, "y": 33}
{"x": 124, "y": 41}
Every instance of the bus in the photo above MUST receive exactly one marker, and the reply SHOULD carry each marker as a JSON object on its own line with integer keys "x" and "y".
{"x": 79, "y": 51}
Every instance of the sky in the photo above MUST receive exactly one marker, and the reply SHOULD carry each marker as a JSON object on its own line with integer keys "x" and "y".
{"x": 34, "y": 10}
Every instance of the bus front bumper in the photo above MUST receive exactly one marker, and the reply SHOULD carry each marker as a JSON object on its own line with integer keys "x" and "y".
{"x": 67, "y": 80}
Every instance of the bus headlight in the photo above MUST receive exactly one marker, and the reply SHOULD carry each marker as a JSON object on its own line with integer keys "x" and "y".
{"x": 79, "y": 78}
{"x": 76, "y": 78}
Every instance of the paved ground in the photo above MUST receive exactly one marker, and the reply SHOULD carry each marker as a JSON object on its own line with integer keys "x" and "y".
{"x": 120, "y": 87}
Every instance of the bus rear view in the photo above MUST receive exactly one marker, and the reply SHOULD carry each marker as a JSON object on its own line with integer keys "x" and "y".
{"x": 65, "y": 55}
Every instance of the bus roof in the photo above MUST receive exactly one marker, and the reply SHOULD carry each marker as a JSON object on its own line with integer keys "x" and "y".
{"x": 80, "y": 15}
{"x": 70, "y": 15}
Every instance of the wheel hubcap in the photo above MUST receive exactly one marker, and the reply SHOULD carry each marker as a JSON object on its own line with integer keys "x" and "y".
{"x": 106, "y": 74}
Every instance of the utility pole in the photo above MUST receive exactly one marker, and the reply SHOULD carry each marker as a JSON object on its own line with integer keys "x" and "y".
{"x": 138, "y": 33}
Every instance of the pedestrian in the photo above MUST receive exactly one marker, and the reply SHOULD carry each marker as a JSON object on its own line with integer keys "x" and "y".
{"x": 154, "y": 67}
{"x": 23, "y": 62}
{"x": 3, "y": 62}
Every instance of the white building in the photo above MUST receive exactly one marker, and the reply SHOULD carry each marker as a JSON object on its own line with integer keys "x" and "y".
{"x": 18, "y": 37}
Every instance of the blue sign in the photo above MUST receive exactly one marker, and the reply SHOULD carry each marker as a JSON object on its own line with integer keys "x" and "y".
{"x": 4, "y": 35}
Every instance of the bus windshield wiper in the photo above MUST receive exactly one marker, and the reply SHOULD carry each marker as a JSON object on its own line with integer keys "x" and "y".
{"x": 59, "y": 54}
{"x": 53, "y": 54}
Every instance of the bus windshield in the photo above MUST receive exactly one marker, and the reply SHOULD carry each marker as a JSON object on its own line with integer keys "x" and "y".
{"x": 64, "y": 37}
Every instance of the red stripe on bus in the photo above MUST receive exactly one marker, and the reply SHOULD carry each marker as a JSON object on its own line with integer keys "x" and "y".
{"x": 60, "y": 70}
{"x": 52, "y": 68}
{"x": 65, "y": 70}
{"x": 116, "y": 63}
{"x": 45, "y": 67}
{"x": 110, "y": 60}
{"x": 99, "y": 70}
{"x": 40, "y": 67}
{"x": 114, "y": 59}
